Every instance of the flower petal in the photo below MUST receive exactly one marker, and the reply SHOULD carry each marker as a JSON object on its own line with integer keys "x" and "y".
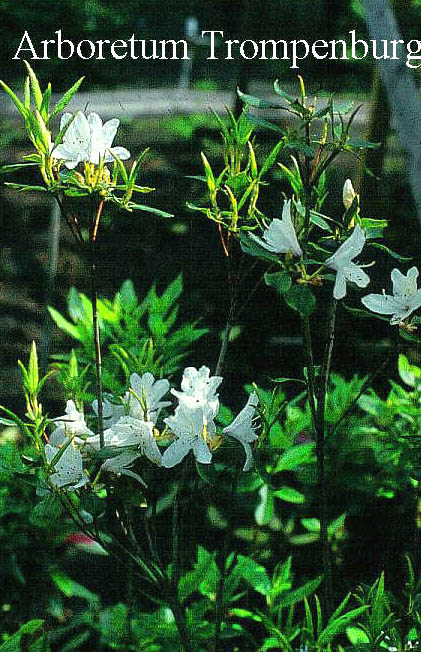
{"x": 121, "y": 152}
{"x": 176, "y": 452}
{"x": 405, "y": 286}
{"x": 65, "y": 118}
{"x": 348, "y": 250}
{"x": 201, "y": 451}
{"x": 383, "y": 304}
{"x": 109, "y": 131}
{"x": 356, "y": 275}
{"x": 339, "y": 290}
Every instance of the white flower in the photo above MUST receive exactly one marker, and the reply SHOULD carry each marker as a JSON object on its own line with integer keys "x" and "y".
{"x": 72, "y": 424}
{"x": 111, "y": 411}
{"x": 280, "y": 236}
{"x": 348, "y": 194}
{"x": 199, "y": 389}
{"x": 102, "y": 136}
{"x": 405, "y": 299}
{"x": 120, "y": 465}
{"x": 193, "y": 428}
{"x": 87, "y": 139}
{"x": 242, "y": 428}
{"x": 68, "y": 470}
{"x": 128, "y": 431}
{"x": 346, "y": 270}
{"x": 146, "y": 403}
{"x": 75, "y": 145}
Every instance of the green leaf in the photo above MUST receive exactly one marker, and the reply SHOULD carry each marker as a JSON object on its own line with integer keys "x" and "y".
{"x": 265, "y": 124}
{"x": 36, "y": 90}
{"x": 46, "y": 511}
{"x": 13, "y": 644}
{"x": 5, "y": 169}
{"x": 45, "y": 106}
{"x": 63, "y": 102}
{"x": 291, "y": 99}
{"x": 249, "y": 246}
{"x": 410, "y": 374}
{"x": 65, "y": 325}
{"x": 357, "y": 636}
{"x": 205, "y": 571}
{"x": 42, "y": 644}
{"x": 297, "y": 595}
{"x": 270, "y": 159}
{"x": 360, "y": 143}
{"x": 27, "y": 93}
{"x": 295, "y": 456}
{"x": 21, "y": 187}
{"x": 301, "y": 299}
{"x": 389, "y": 251}
{"x": 33, "y": 371}
{"x": 150, "y": 209}
{"x": 265, "y": 510}
{"x": 319, "y": 220}
{"x": 280, "y": 281}
{"x": 378, "y": 611}
{"x": 338, "y": 625}
{"x": 72, "y": 589}
{"x": 16, "y": 101}
{"x": 290, "y": 495}
{"x": 311, "y": 524}
{"x": 256, "y": 101}
{"x": 360, "y": 312}
{"x": 301, "y": 148}
{"x": 254, "y": 574}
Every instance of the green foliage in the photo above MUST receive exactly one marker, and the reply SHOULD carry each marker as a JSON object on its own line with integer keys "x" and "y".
{"x": 138, "y": 335}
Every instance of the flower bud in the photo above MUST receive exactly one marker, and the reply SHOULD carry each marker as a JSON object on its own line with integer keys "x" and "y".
{"x": 348, "y": 194}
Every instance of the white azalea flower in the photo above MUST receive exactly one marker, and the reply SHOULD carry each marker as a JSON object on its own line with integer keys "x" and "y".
{"x": 199, "y": 389}
{"x": 405, "y": 299}
{"x": 280, "y": 236}
{"x": 102, "y": 136}
{"x": 120, "y": 465}
{"x": 242, "y": 428}
{"x": 346, "y": 270}
{"x": 68, "y": 470}
{"x": 147, "y": 404}
{"x": 193, "y": 428}
{"x": 71, "y": 425}
{"x": 87, "y": 139}
{"x": 111, "y": 411}
{"x": 348, "y": 194}
{"x": 128, "y": 431}
{"x": 76, "y": 141}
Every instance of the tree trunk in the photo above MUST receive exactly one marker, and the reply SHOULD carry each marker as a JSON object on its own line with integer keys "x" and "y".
{"x": 405, "y": 107}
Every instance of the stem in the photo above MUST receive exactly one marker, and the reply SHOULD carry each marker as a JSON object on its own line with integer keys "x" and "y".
{"x": 171, "y": 586}
{"x": 230, "y": 318}
{"x": 225, "y": 340}
{"x": 176, "y": 528}
{"x": 96, "y": 216}
{"x": 320, "y": 453}
{"x": 53, "y": 253}
{"x": 310, "y": 381}
{"x": 220, "y": 592}
{"x": 72, "y": 222}
{"x": 180, "y": 621}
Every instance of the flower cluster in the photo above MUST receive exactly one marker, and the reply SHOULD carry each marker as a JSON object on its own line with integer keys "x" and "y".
{"x": 87, "y": 139}
{"x": 280, "y": 237}
{"x": 131, "y": 429}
